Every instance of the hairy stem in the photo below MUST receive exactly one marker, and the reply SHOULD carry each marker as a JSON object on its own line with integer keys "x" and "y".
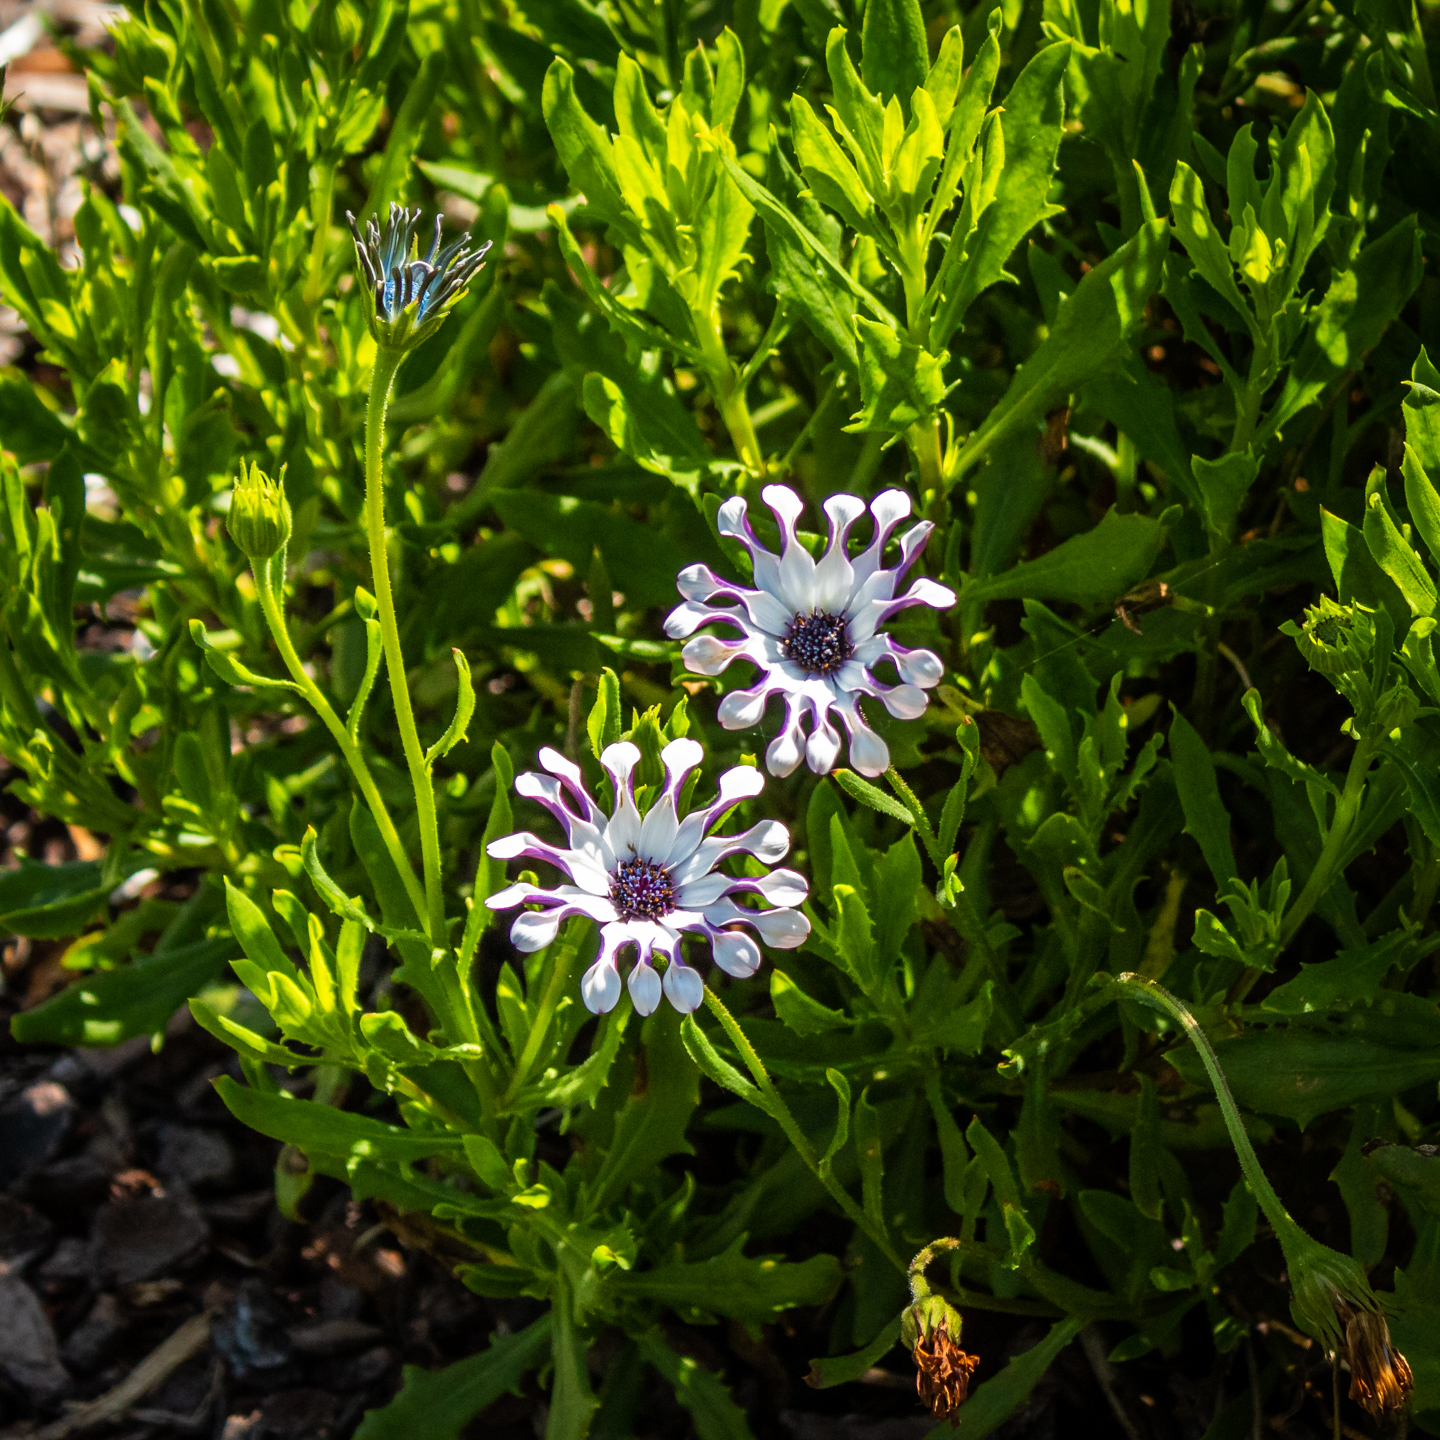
{"x": 432, "y": 913}
{"x": 354, "y": 758}
{"x": 797, "y": 1137}
{"x": 1286, "y": 1230}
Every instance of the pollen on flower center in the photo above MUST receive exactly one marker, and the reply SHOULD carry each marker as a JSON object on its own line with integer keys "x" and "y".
{"x": 642, "y": 890}
{"x": 819, "y": 643}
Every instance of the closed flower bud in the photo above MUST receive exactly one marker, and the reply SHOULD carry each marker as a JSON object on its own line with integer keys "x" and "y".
{"x": 259, "y": 519}
{"x": 1336, "y": 639}
{"x": 335, "y": 28}
{"x": 410, "y": 296}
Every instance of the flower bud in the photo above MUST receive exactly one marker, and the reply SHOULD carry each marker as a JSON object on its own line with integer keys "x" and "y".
{"x": 410, "y": 296}
{"x": 1336, "y": 639}
{"x": 259, "y": 519}
{"x": 335, "y": 28}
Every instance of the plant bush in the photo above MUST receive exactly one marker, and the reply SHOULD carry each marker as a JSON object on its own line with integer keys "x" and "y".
{"x": 1124, "y": 308}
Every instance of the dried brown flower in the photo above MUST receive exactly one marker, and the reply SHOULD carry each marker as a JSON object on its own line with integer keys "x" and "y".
{"x": 1380, "y": 1378}
{"x": 942, "y": 1373}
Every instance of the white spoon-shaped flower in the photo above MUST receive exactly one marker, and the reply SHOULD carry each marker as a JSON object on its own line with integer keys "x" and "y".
{"x": 648, "y": 879}
{"x": 813, "y": 629}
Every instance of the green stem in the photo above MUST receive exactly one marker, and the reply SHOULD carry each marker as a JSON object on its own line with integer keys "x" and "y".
{"x": 729, "y": 394}
{"x": 1418, "y": 910}
{"x": 1286, "y": 1230}
{"x": 554, "y": 992}
{"x": 1327, "y": 866}
{"x": 331, "y": 721}
{"x": 432, "y": 914}
{"x": 924, "y": 438}
{"x": 1255, "y": 387}
{"x": 920, "y": 819}
{"x": 797, "y": 1137}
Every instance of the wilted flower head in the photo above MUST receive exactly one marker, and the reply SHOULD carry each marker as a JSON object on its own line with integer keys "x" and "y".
{"x": 812, "y": 628}
{"x": 648, "y": 879}
{"x": 1380, "y": 1377}
{"x": 259, "y": 517}
{"x": 931, "y": 1328}
{"x": 412, "y": 295}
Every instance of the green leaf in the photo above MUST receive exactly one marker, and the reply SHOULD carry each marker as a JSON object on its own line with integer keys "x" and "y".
{"x": 1397, "y": 558}
{"x": 1146, "y": 1152}
{"x": 387, "y": 1032}
{"x": 738, "y": 1287}
{"x": 651, "y": 1125}
{"x": 319, "y": 1129}
{"x": 805, "y": 1016}
{"x": 440, "y": 1403}
{"x": 1353, "y": 977}
{"x": 341, "y": 904}
{"x": 572, "y": 529}
{"x": 832, "y": 179}
{"x": 1223, "y": 484}
{"x": 455, "y": 732}
{"x": 1090, "y": 570}
{"x": 776, "y": 216}
{"x": 900, "y": 382}
{"x": 1276, "y": 755}
{"x": 994, "y": 1401}
{"x": 871, "y": 795}
{"x": 112, "y": 1006}
{"x": 895, "y": 58}
{"x": 1357, "y": 576}
{"x": 1205, "y": 815}
{"x": 604, "y": 721}
{"x": 804, "y": 289}
{"x": 715, "y": 1067}
{"x": 897, "y": 898}
{"x": 1091, "y": 333}
{"x": 1207, "y": 251}
{"x": 49, "y": 902}
{"x": 31, "y": 429}
{"x": 1421, "y": 497}
{"x": 700, "y": 1391}
{"x": 1358, "y": 307}
{"x": 841, "y": 1086}
{"x": 1411, "y": 1170}
{"x": 841, "y": 1369}
{"x": 870, "y": 1148}
{"x": 1301, "y": 1073}
{"x": 488, "y": 1163}
{"x": 246, "y": 1041}
{"x": 1032, "y": 121}
{"x": 230, "y": 670}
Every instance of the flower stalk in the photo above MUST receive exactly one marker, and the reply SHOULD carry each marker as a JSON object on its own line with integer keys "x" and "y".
{"x": 1328, "y": 1289}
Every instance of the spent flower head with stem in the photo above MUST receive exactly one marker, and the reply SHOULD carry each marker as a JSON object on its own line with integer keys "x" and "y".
{"x": 412, "y": 294}
{"x": 648, "y": 879}
{"x": 1329, "y": 1292}
{"x": 813, "y": 629}
{"x": 930, "y": 1327}
{"x": 259, "y": 519}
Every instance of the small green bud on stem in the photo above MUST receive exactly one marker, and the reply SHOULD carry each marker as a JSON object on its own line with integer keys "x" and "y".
{"x": 259, "y": 520}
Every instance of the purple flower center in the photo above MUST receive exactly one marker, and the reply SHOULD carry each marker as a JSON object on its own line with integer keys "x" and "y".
{"x": 819, "y": 643}
{"x": 642, "y": 890}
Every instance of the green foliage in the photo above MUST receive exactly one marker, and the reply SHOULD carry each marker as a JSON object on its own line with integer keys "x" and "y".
{"x": 1140, "y": 327}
